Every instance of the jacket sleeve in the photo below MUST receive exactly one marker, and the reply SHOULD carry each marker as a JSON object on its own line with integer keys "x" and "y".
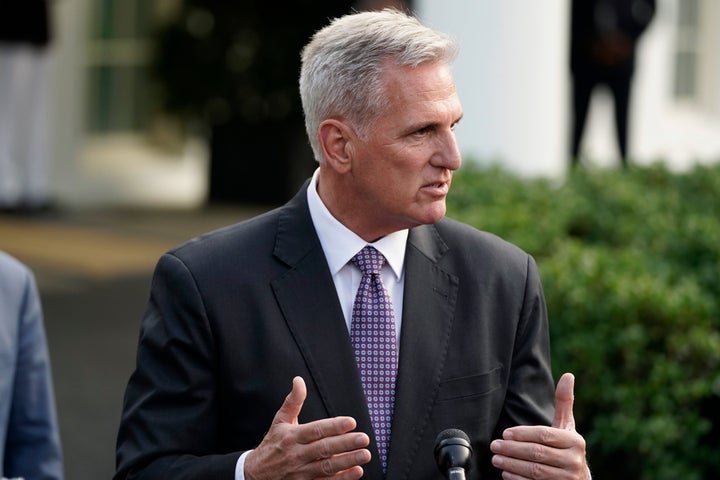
{"x": 170, "y": 426}
{"x": 32, "y": 448}
{"x": 530, "y": 395}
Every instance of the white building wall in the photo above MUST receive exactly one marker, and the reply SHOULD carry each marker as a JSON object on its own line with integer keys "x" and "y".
{"x": 681, "y": 133}
{"x": 511, "y": 76}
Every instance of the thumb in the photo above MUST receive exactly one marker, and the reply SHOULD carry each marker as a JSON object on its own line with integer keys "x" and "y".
{"x": 290, "y": 409}
{"x": 564, "y": 399}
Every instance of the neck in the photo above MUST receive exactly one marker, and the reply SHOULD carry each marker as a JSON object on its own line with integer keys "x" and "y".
{"x": 341, "y": 204}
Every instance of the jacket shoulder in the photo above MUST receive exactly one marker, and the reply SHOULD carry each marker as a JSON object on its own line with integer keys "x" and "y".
{"x": 462, "y": 236}
{"x": 14, "y": 279}
{"x": 244, "y": 236}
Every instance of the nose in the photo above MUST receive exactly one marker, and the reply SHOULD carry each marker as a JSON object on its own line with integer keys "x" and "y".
{"x": 447, "y": 154}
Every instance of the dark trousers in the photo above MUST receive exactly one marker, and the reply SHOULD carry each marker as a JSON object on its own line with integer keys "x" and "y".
{"x": 583, "y": 86}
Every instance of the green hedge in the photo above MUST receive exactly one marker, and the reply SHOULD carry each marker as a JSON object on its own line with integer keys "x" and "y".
{"x": 630, "y": 262}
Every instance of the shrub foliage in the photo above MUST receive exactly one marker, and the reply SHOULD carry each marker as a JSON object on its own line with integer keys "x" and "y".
{"x": 630, "y": 263}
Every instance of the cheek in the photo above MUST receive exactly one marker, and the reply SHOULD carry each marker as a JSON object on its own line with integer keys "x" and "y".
{"x": 406, "y": 165}
{"x": 395, "y": 171}
{"x": 399, "y": 180}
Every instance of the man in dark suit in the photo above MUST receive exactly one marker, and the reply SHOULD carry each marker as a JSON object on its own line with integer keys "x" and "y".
{"x": 603, "y": 41}
{"x": 242, "y": 316}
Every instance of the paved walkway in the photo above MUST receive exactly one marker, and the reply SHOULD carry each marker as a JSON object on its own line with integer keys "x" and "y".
{"x": 93, "y": 269}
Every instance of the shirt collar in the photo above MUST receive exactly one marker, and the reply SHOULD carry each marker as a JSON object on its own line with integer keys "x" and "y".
{"x": 340, "y": 244}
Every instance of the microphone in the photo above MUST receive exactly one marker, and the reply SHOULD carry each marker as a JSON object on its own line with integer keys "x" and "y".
{"x": 452, "y": 453}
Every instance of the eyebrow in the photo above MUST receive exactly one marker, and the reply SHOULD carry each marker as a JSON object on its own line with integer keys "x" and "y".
{"x": 422, "y": 125}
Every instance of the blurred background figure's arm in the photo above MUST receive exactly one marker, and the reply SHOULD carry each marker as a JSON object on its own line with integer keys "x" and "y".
{"x": 28, "y": 421}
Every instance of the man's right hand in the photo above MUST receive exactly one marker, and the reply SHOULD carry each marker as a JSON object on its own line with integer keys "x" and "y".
{"x": 323, "y": 448}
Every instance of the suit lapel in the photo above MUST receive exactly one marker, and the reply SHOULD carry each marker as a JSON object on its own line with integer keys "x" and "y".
{"x": 428, "y": 310}
{"x": 308, "y": 300}
{"x": 307, "y": 297}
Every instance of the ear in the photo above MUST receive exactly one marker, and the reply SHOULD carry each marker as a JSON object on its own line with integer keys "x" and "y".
{"x": 335, "y": 141}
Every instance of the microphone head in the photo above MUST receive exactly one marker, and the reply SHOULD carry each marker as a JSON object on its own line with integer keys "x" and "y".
{"x": 452, "y": 450}
{"x": 451, "y": 433}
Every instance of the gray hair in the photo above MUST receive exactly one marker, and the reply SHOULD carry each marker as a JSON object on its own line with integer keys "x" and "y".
{"x": 343, "y": 63}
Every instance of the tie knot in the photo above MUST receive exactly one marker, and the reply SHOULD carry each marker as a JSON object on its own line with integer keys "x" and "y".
{"x": 369, "y": 260}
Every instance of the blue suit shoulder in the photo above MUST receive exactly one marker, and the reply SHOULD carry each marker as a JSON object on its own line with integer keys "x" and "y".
{"x": 14, "y": 279}
{"x": 12, "y": 268}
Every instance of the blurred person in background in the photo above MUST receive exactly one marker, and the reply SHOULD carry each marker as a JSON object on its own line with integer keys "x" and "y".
{"x": 29, "y": 436}
{"x": 25, "y": 38}
{"x": 603, "y": 43}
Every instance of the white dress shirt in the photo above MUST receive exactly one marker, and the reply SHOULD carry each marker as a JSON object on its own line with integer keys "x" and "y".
{"x": 341, "y": 244}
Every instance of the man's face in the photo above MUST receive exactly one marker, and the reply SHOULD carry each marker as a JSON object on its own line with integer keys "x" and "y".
{"x": 402, "y": 170}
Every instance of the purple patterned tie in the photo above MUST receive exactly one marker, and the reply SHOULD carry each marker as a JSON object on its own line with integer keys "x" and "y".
{"x": 372, "y": 331}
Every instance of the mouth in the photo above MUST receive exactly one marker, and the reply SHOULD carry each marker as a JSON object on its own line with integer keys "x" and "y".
{"x": 437, "y": 188}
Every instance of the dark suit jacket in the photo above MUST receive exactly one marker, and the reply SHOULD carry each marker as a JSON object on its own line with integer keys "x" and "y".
{"x": 593, "y": 20}
{"x": 235, "y": 314}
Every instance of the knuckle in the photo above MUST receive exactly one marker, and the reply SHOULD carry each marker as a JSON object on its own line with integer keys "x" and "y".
{"x": 326, "y": 467}
{"x": 582, "y": 444}
{"x": 538, "y": 453}
{"x": 547, "y": 435}
{"x": 293, "y": 457}
{"x": 317, "y": 431}
{"x": 323, "y": 449}
{"x": 285, "y": 443}
{"x": 538, "y": 472}
{"x": 577, "y": 463}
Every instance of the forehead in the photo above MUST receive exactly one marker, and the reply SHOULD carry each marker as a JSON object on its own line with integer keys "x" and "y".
{"x": 428, "y": 87}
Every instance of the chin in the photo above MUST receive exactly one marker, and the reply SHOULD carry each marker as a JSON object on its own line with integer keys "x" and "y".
{"x": 433, "y": 216}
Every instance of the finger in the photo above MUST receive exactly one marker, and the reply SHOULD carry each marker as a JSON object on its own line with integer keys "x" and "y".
{"x": 515, "y": 437}
{"x": 540, "y": 450}
{"x": 290, "y": 409}
{"x": 564, "y": 399}
{"x": 520, "y": 469}
{"x": 321, "y": 459}
{"x": 327, "y": 457}
{"x": 530, "y": 452}
{"x": 355, "y": 473}
{"x": 342, "y": 463}
{"x": 327, "y": 428}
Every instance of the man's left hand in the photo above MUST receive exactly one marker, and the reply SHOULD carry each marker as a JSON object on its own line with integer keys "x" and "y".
{"x": 539, "y": 452}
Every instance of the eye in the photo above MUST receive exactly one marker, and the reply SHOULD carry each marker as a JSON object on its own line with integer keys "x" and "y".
{"x": 421, "y": 132}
